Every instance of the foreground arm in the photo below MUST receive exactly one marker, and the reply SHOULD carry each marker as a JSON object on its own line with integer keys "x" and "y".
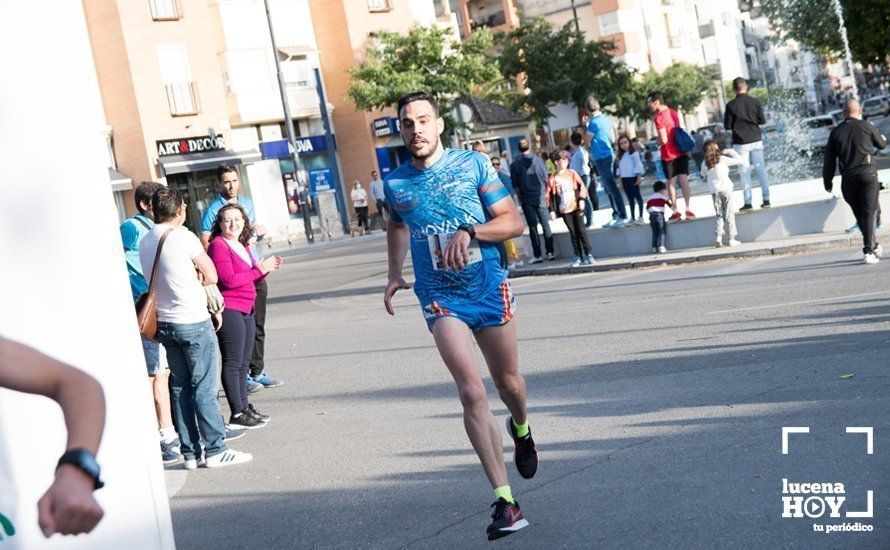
{"x": 398, "y": 240}
{"x": 68, "y": 506}
{"x": 504, "y": 224}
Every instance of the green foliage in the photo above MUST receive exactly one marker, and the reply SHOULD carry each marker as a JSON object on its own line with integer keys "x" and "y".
{"x": 426, "y": 59}
{"x": 814, "y": 24}
{"x": 683, "y": 85}
{"x": 559, "y": 66}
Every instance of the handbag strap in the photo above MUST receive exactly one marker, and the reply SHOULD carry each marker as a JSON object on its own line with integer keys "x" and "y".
{"x": 154, "y": 266}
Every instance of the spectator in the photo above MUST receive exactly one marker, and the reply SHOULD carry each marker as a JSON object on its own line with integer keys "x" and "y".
{"x": 360, "y": 203}
{"x": 529, "y": 174}
{"x": 68, "y": 506}
{"x": 744, "y": 116}
{"x": 511, "y": 258}
{"x": 237, "y": 271}
{"x": 853, "y": 143}
{"x": 630, "y": 170}
{"x": 185, "y": 330}
{"x": 656, "y": 207}
{"x": 229, "y": 186}
{"x": 565, "y": 197}
{"x": 600, "y": 135}
{"x": 580, "y": 163}
{"x": 674, "y": 163}
{"x": 697, "y": 155}
{"x": 716, "y": 169}
{"x": 378, "y": 198}
{"x": 132, "y": 231}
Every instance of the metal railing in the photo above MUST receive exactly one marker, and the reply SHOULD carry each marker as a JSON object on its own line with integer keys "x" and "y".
{"x": 182, "y": 98}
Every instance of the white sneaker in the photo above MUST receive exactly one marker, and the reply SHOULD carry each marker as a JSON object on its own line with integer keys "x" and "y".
{"x": 193, "y": 464}
{"x": 718, "y": 244}
{"x": 511, "y": 266}
{"x": 662, "y": 249}
{"x": 519, "y": 263}
{"x": 871, "y": 259}
{"x": 620, "y": 223}
{"x": 536, "y": 260}
{"x": 733, "y": 242}
{"x": 228, "y": 458}
{"x": 610, "y": 223}
{"x": 879, "y": 251}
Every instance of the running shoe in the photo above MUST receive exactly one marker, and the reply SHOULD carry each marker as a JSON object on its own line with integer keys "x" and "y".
{"x": 252, "y": 410}
{"x": 267, "y": 381}
{"x": 852, "y": 229}
{"x": 506, "y": 519}
{"x": 576, "y": 261}
{"x": 246, "y": 420}
{"x": 689, "y": 214}
{"x": 169, "y": 455}
{"x": 535, "y": 260}
{"x": 551, "y": 256}
{"x": 252, "y": 385}
{"x": 662, "y": 249}
{"x": 227, "y": 458}
{"x": 234, "y": 433}
{"x": 675, "y": 217}
{"x": 879, "y": 251}
{"x": 610, "y": 223}
{"x": 525, "y": 456}
{"x": 746, "y": 208}
{"x": 871, "y": 259}
{"x": 588, "y": 260}
{"x": 733, "y": 242}
{"x": 192, "y": 464}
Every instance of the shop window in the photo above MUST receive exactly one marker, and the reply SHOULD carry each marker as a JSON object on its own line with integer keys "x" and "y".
{"x": 378, "y": 5}
{"x": 165, "y": 10}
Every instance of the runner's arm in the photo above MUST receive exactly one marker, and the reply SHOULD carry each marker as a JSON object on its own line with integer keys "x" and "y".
{"x": 504, "y": 224}
{"x": 398, "y": 240}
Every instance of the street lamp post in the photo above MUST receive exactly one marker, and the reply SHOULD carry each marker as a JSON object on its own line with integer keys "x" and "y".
{"x": 332, "y": 157}
{"x": 291, "y": 137}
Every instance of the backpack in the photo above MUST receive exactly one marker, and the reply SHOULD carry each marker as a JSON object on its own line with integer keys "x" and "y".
{"x": 685, "y": 142}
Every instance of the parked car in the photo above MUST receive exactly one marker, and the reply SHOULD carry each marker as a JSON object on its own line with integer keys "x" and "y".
{"x": 818, "y": 129}
{"x": 836, "y": 115}
{"x": 876, "y": 106}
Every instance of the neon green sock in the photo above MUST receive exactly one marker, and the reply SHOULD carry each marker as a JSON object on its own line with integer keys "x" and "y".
{"x": 504, "y": 493}
{"x": 521, "y": 429}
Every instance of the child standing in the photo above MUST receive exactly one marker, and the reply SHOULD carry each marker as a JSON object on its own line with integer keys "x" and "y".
{"x": 655, "y": 206}
{"x": 565, "y": 197}
{"x": 716, "y": 169}
{"x": 630, "y": 170}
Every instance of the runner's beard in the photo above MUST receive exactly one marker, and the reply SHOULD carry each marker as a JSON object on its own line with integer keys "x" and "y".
{"x": 434, "y": 145}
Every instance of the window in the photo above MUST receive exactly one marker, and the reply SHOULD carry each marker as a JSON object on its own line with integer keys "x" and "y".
{"x": 182, "y": 93}
{"x": 165, "y": 10}
{"x": 246, "y": 71}
{"x": 378, "y": 5}
{"x": 296, "y": 74}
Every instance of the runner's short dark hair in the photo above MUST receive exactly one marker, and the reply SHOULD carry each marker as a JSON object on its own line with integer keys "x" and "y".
{"x": 416, "y": 96}
{"x": 738, "y": 83}
{"x": 165, "y": 203}
{"x": 223, "y": 169}
{"x": 659, "y": 186}
{"x": 143, "y": 193}
{"x": 657, "y": 96}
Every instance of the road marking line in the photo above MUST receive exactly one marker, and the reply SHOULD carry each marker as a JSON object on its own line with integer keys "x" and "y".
{"x": 816, "y": 301}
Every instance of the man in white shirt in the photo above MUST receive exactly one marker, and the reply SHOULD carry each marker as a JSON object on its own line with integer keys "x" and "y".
{"x": 379, "y": 198}
{"x": 185, "y": 330}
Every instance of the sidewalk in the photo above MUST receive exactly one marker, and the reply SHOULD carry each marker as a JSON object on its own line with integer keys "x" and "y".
{"x": 792, "y": 245}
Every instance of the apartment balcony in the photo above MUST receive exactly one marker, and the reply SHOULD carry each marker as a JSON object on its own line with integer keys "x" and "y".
{"x": 496, "y": 15}
{"x": 182, "y": 97}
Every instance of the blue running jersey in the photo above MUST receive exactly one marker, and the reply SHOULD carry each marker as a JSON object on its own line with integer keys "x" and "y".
{"x": 459, "y": 189}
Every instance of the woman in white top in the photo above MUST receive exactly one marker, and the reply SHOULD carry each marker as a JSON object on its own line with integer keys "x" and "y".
{"x": 630, "y": 170}
{"x": 715, "y": 168}
{"x": 360, "y": 203}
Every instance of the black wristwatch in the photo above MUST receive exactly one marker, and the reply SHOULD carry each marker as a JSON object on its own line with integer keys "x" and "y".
{"x": 471, "y": 231}
{"x": 84, "y": 460}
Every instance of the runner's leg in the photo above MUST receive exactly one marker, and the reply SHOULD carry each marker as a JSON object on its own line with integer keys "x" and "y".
{"x": 498, "y": 346}
{"x": 455, "y": 344}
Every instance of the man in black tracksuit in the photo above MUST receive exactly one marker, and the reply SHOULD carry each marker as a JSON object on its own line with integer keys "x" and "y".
{"x": 852, "y": 145}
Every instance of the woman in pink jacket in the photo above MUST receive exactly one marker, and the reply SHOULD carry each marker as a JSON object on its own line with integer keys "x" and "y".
{"x": 237, "y": 270}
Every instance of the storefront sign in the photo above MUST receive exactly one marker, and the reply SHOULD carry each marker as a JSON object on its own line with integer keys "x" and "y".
{"x": 305, "y": 145}
{"x": 386, "y": 126}
{"x": 320, "y": 180}
{"x": 185, "y": 146}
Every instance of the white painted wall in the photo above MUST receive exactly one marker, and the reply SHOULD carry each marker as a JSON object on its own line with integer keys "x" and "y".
{"x": 69, "y": 290}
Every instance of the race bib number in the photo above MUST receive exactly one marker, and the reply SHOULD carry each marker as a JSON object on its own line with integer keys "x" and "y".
{"x": 438, "y": 242}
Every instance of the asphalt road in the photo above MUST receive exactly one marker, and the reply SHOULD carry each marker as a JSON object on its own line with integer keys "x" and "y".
{"x": 656, "y": 397}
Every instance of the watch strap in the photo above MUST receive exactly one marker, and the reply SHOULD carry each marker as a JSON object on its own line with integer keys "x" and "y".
{"x": 85, "y": 461}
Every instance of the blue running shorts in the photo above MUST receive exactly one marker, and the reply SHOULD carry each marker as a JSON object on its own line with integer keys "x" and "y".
{"x": 493, "y": 309}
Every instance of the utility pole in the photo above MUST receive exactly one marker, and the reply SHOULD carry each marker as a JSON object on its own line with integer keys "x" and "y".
{"x": 332, "y": 156}
{"x": 291, "y": 137}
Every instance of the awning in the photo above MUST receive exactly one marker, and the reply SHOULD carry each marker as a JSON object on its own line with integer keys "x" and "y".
{"x": 119, "y": 181}
{"x": 207, "y": 160}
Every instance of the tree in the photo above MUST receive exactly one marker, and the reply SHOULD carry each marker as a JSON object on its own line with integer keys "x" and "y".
{"x": 683, "y": 85}
{"x": 425, "y": 59}
{"x": 814, "y": 24}
{"x": 559, "y": 66}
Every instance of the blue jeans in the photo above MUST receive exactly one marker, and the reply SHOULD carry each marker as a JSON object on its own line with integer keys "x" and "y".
{"x": 659, "y": 228}
{"x": 535, "y": 214}
{"x": 604, "y": 169}
{"x": 588, "y": 204}
{"x": 753, "y": 153}
{"x": 192, "y": 355}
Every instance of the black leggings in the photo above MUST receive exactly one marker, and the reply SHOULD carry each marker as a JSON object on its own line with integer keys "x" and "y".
{"x": 362, "y": 213}
{"x": 575, "y": 223}
{"x": 236, "y": 345}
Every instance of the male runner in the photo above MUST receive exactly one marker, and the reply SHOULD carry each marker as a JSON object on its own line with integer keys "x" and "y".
{"x": 452, "y": 208}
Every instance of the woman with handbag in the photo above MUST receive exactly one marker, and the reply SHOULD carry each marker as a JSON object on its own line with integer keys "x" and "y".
{"x": 238, "y": 271}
